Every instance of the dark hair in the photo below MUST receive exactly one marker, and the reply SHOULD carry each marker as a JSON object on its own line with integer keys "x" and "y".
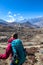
{"x": 15, "y": 35}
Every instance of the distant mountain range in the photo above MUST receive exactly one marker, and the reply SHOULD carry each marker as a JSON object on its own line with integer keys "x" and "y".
{"x": 2, "y": 22}
{"x": 37, "y": 21}
{"x": 31, "y": 23}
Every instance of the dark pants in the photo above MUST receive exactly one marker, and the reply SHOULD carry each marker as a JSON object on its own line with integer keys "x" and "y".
{"x": 13, "y": 64}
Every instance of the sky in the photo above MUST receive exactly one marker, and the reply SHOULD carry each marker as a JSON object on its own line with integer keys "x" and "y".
{"x": 12, "y": 10}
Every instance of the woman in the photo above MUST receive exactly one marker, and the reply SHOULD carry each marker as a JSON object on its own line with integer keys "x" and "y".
{"x": 9, "y": 48}
{"x": 14, "y": 47}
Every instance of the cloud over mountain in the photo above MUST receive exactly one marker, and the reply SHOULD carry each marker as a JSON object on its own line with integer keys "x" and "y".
{"x": 14, "y": 17}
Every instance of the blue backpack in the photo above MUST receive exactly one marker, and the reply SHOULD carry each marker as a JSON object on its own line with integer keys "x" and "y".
{"x": 19, "y": 55}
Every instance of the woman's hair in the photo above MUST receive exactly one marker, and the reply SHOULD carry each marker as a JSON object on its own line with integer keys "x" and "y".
{"x": 15, "y": 35}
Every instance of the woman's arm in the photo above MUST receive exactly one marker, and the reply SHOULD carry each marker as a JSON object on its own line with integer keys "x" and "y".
{"x": 7, "y": 52}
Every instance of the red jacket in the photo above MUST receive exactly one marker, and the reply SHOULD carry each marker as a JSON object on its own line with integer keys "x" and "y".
{"x": 8, "y": 50}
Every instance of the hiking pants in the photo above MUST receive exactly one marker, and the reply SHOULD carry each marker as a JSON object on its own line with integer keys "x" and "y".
{"x": 13, "y": 64}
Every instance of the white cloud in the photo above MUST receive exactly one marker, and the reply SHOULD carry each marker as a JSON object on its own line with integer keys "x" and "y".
{"x": 9, "y": 12}
{"x": 11, "y": 20}
{"x": 15, "y": 15}
{"x": 18, "y": 14}
{"x": 39, "y": 16}
{"x": 21, "y": 18}
{"x": 10, "y": 17}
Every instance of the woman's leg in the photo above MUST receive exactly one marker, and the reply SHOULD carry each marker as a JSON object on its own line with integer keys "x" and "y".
{"x": 11, "y": 64}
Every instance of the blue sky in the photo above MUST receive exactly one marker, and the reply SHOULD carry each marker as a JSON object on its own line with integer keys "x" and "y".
{"x": 12, "y": 10}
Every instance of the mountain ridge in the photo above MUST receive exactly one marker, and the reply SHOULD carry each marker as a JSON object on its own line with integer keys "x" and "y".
{"x": 33, "y": 22}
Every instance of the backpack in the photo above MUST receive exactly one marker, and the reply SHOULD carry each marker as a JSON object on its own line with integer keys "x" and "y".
{"x": 19, "y": 55}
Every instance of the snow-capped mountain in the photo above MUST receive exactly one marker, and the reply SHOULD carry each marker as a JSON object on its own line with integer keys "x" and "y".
{"x": 33, "y": 22}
